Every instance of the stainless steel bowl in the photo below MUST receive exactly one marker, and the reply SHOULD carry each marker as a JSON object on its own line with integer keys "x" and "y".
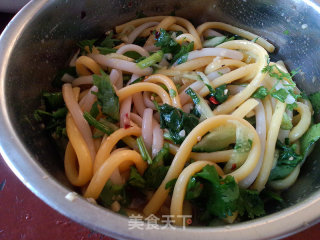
{"x": 42, "y": 37}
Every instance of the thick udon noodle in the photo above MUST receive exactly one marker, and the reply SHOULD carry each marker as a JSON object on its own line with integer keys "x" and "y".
{"x": 90, "y": 163}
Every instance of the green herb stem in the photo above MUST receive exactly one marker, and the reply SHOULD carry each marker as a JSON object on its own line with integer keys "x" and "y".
{"x": 143, "y": 150}
{"x": 149, "y": 61}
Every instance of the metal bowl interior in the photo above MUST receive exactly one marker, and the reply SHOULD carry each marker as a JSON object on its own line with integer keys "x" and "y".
{"x": 41, "y": 39}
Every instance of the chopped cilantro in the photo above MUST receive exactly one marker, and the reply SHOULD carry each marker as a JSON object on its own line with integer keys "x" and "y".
{"x": 217, "y": 197}
{"x": 103, "y": 126}
{"x": 94, "y": 112}
{"x": 52, "y": 114}
{"x": 280, "y": 94}
{"x": 169, "y": 45}
{"x": 135, "y": 179}
{"x": 221, "y": 93}
{"x": 156, "y": 172}
{"x": 143, "y": 150}
{"x": 260, "y": 93}
{"x": 292, "y": 106}
{"x": 113, "y": 192}
{"x": 175, "y": 120}
{"x": 170, "y": 185}
{"x": 87, "y": 43}
{"x": 109, "y": 42}
{"x": 106, "y": 96}
{"x": 287, "y": 161}
{"x": 106, "y": 50}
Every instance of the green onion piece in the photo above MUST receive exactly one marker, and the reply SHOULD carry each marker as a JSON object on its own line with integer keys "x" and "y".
{"x": 143, "y": 150}
{"x": 149, "y": 61}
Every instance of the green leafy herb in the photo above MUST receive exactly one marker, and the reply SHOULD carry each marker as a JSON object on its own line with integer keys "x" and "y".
{"x": 268, "y": 195}
{"x": 53, "y": 101}
{"x": 292, "y": 106}
{"x": 105, "y": 46}
{"x": 170, "y": 185}
{"x": 132, "y": 54}
{"x": 106, "y": 50}
{"x": 182, "y": 55}
{"x": 194, "y": 189}
{"x": 175, "y": 120}
{"x": 135, "y": 179}
{"x": 260, "y": 93}
{"x": 103, "y": 126}
{"x": 286, "y": 163}
{"x": 221, "y": 197}
{"x": 113, "y": 192}
{"x": 87, "y": 43}
{"x": 169, "y": 45}
{"x": 250, "y": 203}
{"x": 201, "y": 105}
{"x": 143, "y": 150}
{"x": 267, "y": 68}
{"x": 280, "y": 94}
{"x": 94, "y": 112}
{"x": 221, "y": 93}
{"x": 156, "y": 172}
{"x": 52, "y": 114}
{"x": 106, "y": 96}
{"x": 166, "y": 43}
{"x": 109, "y": 42}
{"x": 280, "y": 76}
{"x": 193, "y": 95}
{"x": 224, "y": 193}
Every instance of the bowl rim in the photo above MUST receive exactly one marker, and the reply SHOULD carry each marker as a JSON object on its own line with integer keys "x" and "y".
{"x": 284, "y": 223}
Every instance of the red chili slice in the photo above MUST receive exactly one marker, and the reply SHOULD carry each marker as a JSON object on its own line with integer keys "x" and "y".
{"x": 234, "y": 166}
{"x": 157, "y": 35}
{"x": 126, "y": 121}
{"x": 213, "y": 100}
